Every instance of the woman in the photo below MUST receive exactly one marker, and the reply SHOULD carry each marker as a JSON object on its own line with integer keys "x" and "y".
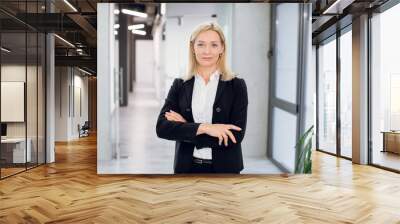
{"x": 206, "y": 112}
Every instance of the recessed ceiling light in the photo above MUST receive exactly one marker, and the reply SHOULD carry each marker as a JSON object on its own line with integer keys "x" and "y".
{"x": 64, "y": 40}
{"x": 140, "y": 32}
{"x": 5, "y": 50}
{"x": 86, "y": 72}
{"x": 134, "y": 13}
{"x": 70, "y": 5}
{"x": 136, "y": 26}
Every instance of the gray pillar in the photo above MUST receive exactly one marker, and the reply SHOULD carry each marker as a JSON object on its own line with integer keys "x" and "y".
{"x": 123, "y": 57}
{"x": 133, "y": 62}
{"x": 360, "y": 90}
{"x": 50, "y": 94}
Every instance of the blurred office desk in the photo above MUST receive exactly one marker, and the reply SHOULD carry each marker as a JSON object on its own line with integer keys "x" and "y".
{"x": 391, "y": 141}
{"x": 13, "y": 150}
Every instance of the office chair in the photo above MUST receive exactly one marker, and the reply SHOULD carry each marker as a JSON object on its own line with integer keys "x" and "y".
{"x": 84, "y": 130}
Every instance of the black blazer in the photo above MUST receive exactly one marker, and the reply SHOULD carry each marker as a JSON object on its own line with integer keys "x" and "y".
{"x": 230, "y": 107}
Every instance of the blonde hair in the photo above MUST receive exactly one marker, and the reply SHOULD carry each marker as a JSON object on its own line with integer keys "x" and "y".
{"x": 226, "y": 73}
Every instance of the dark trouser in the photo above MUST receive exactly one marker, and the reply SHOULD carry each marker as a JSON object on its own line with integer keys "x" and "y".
{"x": 204, "y": 167}
{"x": 201, "y": 168}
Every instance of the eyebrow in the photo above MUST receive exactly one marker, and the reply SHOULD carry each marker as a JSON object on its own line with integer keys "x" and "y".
{"x": 202, "y": 41}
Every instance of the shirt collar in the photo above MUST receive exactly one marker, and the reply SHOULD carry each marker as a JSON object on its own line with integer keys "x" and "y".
{"x": 214, "y": 76}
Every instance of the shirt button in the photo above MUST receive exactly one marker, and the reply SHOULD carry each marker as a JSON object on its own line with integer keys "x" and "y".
{"x": 218, "y": 109}
{"x": 188, "y": 109}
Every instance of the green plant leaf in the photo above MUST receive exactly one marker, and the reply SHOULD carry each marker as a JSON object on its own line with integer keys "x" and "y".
{"x": 304, "y": 149}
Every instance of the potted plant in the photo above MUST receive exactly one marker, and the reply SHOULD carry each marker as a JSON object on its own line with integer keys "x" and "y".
{"x": 303, "y": 155}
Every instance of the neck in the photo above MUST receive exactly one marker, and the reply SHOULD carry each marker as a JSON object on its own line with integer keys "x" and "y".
{"x": 206, "y": 72}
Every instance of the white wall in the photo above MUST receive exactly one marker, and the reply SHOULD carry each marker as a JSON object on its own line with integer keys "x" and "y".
{"x": 250, "y": 45}
{"x": 145, "y": 62}
{"x": 107, "y": 84}
{"x": 67, "y": 81}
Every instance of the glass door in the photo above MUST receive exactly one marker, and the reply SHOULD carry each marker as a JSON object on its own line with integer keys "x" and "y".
{"x": 291, "y": 28}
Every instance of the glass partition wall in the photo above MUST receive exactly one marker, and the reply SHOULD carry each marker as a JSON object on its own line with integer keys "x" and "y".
{"x": 385, "y": 89}
{"x": 334, "y": 94}
{"x": 22, "y": 88}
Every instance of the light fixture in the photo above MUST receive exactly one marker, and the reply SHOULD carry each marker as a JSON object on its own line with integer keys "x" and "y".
{"x": 115, "y": 32}
{"x": 136, "y": 26}
{"x": 86, "y": 72}
{"x": 78, "y": 50}
{"x": 64, "y": 40}
{"x": 337, "y": 7}
{"x": 70, "y": 5}
{"x": 134, "y": 13}
{"x": 163, "y": 8}
{"x": 140, "y": 32}
{"x": 116, "y": 11}
{"x": 116, "y": 26}
{"x": 5, "y": 50}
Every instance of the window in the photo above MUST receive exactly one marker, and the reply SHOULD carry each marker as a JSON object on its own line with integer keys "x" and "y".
{"x": 327, "y": 96}
{"x": 385, "y": 89}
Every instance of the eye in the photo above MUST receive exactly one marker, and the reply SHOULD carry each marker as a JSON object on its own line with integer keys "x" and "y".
{"x": 200, "y": 45}
{"x": 215, "y": 45}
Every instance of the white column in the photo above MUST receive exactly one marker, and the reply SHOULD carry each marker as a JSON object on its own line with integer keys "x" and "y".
{"x": 107, "y": 81}
{"x": 50, "y": 99}
{"x": 360, "y": 90}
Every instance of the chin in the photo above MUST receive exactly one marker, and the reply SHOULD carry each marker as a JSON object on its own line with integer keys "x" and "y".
{"x": 208, "y": 64}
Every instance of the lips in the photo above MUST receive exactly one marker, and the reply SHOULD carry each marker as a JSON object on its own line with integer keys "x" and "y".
{"x": 206, "y": 58}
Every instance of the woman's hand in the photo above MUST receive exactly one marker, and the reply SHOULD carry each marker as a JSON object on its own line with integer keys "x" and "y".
{"x": 221, "y": 131}
{"x": 174, "y": 116}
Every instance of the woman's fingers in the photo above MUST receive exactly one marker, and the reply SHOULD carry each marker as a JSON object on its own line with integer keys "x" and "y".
{"x": 173, "y": 117}
{"x": 231, "y": 136}
{"x": 220, "y": 139}
{"x": 225, "y": 138}
{"x": 168, "y": 116}
{"x": 231, "y": 126}
{"x": 176, "y": 116}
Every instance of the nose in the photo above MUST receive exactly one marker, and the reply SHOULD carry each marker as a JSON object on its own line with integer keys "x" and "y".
{"x": 208, "y": 49}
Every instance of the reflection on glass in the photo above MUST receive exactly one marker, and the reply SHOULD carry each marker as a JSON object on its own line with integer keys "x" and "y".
{"x": 284, "y": 138}
{"x": 385, "y": 84}
{"x": 286, "y": 48}
{"x": 327, "y": 97}
{"x": 13, "y": 86}
{"x": 41, "y": 98}
{"x": 346, "y": 94}
{"x": 31, "y": 101}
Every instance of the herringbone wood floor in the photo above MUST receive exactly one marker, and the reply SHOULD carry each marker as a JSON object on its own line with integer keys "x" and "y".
{"x": 70, "y": 191}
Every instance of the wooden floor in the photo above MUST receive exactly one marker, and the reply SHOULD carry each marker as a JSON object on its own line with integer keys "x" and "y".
{"x": 70, "y": 191}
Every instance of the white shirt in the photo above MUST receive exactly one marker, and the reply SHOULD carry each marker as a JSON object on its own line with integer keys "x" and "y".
{"x": 202, "y": 106}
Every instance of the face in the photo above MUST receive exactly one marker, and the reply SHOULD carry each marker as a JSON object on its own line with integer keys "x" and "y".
{"x": 207, "y": 48}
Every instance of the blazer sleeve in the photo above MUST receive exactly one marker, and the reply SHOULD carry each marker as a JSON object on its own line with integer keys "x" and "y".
{"x": 238, "y": 117}
{"x": 174, "y": 130}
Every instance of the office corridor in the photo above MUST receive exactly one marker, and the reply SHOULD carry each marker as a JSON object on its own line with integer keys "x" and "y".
{"x": 141, "y": 151}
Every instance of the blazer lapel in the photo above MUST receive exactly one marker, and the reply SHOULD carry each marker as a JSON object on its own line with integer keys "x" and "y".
{"x": 189, "y": 91}
{"x": 220, "y": 89}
